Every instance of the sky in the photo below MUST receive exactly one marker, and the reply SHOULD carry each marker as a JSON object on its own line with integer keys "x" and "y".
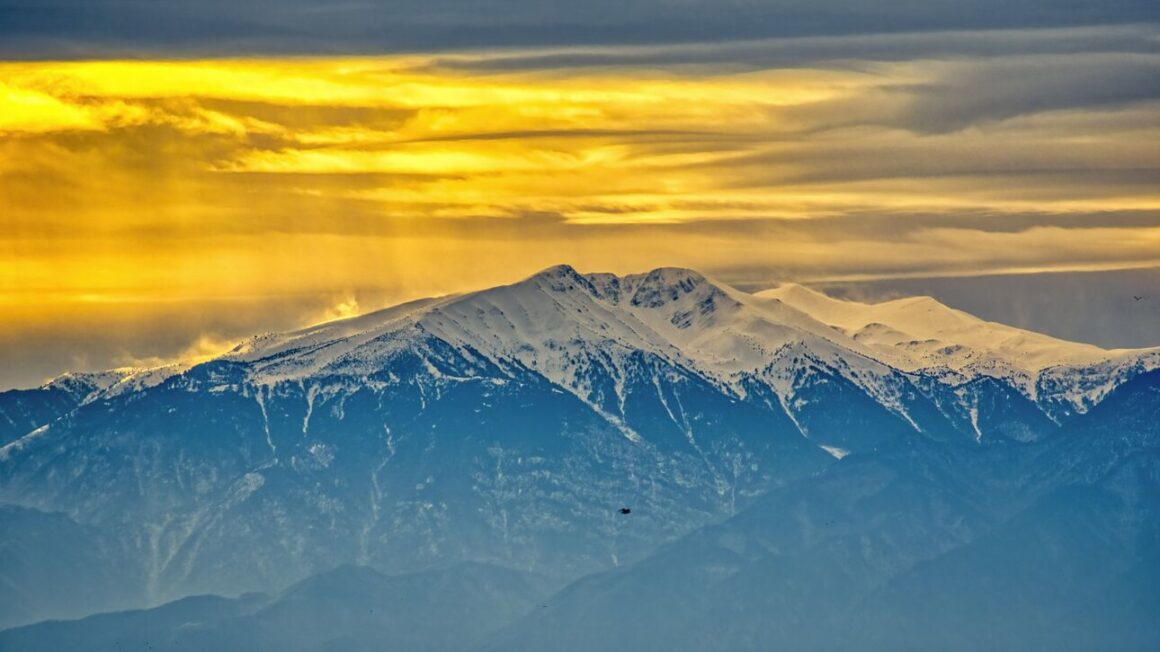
{"x": 175, "y": 176}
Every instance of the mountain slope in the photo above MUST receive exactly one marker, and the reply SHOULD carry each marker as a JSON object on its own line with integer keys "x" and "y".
{"x": 1044, "y": 546}
{"x": 52, "y": 567}
{"x": 509, "y": 426}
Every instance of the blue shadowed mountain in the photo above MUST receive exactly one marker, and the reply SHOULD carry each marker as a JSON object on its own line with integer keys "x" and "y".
{"x": 908, "y": 549}
{"x": 780, "y": 452}
{"x": 349, "y": 608}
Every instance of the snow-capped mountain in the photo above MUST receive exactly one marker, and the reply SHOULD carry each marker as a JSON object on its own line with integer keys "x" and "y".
{"x": 562, "y": 325}
{"x": 921, "y": 335}
{"x": 508, "y": 426}
{"x": 553, "y": 321}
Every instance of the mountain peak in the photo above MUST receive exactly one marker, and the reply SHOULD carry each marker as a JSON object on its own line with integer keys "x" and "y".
{"x": 559, "y": 278}
{"x": 563, "y": 270}
{"x": 669, "y": 276}
{"x": 662, "y": 285}
{"x": 651, "y": 289}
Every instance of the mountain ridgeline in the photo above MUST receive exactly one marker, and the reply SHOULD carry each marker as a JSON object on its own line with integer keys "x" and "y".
{"x": 801, "y": 473}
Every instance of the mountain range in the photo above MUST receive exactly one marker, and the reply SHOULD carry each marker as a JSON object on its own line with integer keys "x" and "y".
{"x": 799, "y": 472}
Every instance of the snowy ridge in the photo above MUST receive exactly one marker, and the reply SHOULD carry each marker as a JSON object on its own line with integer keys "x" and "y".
{"x": 85, "y": 386}
{"x": 920, "y": 334}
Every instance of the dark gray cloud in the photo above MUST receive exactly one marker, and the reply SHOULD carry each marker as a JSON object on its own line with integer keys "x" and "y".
{"x": 53, "y": 28}
{"x": 998, "y": 90}
{"x": 849, "y": 50}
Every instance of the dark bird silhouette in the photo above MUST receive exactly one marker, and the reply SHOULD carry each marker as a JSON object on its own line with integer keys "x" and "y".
{"x": 625, "y": 510}
{"x": 1136, "y": 297}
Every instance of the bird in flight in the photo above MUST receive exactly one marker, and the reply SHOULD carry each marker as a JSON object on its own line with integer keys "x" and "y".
{"x": 625, "y": 510}
{"x": 1136, "y": 297}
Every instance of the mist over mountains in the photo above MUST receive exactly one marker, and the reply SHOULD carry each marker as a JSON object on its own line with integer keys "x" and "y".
{"x": 448, "y": 474}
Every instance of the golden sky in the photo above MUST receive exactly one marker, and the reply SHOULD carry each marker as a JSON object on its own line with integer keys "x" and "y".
{"x": 230, "y": 195}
